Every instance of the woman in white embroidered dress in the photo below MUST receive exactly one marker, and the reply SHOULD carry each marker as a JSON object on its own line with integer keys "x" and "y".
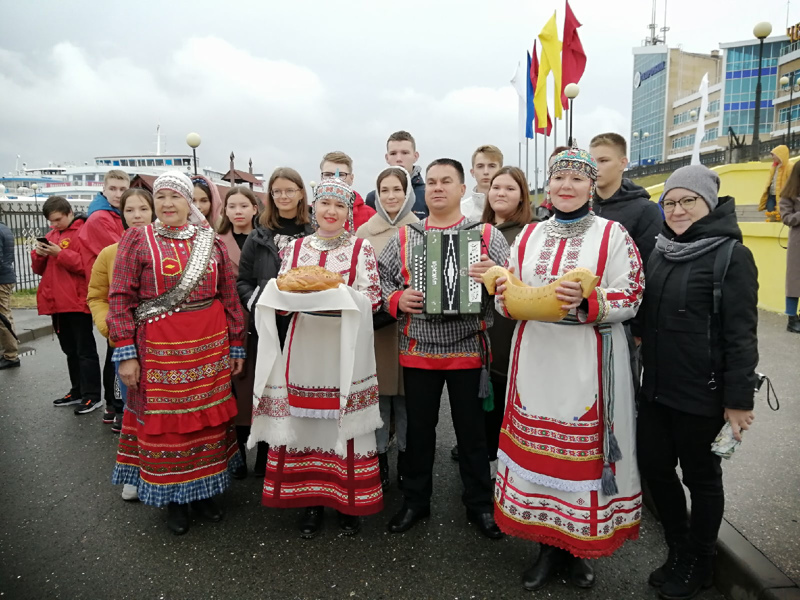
{"x": 331, "y": 459}
{"x": 567, "y": 475}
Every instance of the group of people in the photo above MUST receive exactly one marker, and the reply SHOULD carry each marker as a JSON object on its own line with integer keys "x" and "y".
{"x": 211, "y": 358}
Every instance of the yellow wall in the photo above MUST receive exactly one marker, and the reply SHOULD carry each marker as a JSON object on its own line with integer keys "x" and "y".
{"x": 762, "y": 239}
{"x": 746, "y": 182}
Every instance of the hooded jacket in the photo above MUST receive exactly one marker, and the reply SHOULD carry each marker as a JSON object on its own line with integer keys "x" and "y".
{"x": 631, "y": 207}
{"x": 472, "y": 205}
{"x": 684, "y": 350}
{"x": 361, "y": 212}
{"x": 63, "y": 285}
{"x": 7, "y": 274}
{"x": 420, "y": 209}
{"x": 783, "y": 169}
{"x": 103, "y": 227}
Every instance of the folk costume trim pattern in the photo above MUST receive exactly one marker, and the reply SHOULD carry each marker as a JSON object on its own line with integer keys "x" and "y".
{"x": 569, "y": 389}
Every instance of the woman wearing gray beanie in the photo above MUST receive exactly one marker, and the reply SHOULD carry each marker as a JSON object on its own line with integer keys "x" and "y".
{"x": 700, "y": 351}
{"x": 789, "y": 207}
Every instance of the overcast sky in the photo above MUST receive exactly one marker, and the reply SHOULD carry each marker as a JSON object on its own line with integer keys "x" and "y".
{"x": 285, "y": 82}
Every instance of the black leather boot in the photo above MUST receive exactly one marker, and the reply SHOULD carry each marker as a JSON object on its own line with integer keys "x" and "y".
{"x": 692, "y": 575}
{"x": 349, "y": 524}
{"x": 311, "y": 522}
{"x": 581, "y": 572}
{"x": 383, "y": 465}
{"x": 661, "y": 574}
{"x": 262, "y": 452}
{"x": 550, "y": 558}
{"x": 207, "y": 509}
{"x": 178, "y": 518}
{"x": 401, "y": 466}
{"x": 794, "y": 324}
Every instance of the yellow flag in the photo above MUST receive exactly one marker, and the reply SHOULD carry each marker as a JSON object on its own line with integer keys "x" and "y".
{"x": 551, "y": 61}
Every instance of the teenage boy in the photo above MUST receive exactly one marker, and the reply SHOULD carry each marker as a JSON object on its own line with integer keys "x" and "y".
{"x": 62, "y": 294}
{"x": 401, "y": 151}
{"x": 339, "y": 162}
{"x": 436, "y": 351}
{"x": 486, "y": 161}
{"x": 104, "y": 227}
{"x": 9, "y": 346}
{"x": 619, "y": 199}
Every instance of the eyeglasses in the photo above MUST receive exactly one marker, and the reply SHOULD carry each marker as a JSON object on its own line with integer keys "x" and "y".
{"x": 290, "y": 194}
{"x": 686, "y": 203}
{"x": 328, "y": 175}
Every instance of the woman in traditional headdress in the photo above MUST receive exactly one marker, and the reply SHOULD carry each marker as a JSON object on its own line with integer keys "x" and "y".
{"x": 178, "y": 328}
{"x": 318, "y": 405}
{"x": 395, "y": 201}
{"x": 567, "y": 475}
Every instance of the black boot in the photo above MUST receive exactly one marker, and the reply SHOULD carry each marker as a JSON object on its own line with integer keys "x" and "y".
{"x": 349, "y": 524}
{"x": 207, "y": 509}
{"x": 692, "y": 575}
{"x": 383, "y": 465}
{"x": 401, "y": 466}
{"x": 311, "y": 522}
{"x": 242, "y": 433}
{"x": 794, "y": 324}
{"x": 581, "y": 572}
{"x": 550, "y": 558}
{"x": 661, "y": 574}
{"x": 260, "y": 468}
{"x": 178, "y": 518}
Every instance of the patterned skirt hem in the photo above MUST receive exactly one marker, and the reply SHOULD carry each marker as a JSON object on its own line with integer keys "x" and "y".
{"x": 609, "y": 546}
{"x": 358, "y": 511}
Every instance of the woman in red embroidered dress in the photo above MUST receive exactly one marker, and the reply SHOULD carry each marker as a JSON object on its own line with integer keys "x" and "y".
{"x": 319, "y": 406}
{"x": 567, "y": 475}
{"x": 175, "y": 319}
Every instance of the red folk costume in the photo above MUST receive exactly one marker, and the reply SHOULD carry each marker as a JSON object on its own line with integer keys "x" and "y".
{"x": 173, "y": 304}
{"x": 318, "y": 408}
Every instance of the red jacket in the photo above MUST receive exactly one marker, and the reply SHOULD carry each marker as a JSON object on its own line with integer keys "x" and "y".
{"x": 102, "y": 229}
{"x": 361, "y": 212}
{"x": 63, "y": 285}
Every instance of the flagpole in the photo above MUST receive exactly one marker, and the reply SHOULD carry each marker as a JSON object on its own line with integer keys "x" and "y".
{"x": 519, "y": 148}
{"x": 544, "y": 162}
{"x": 536, "y": 166}
{"x": 526, "y": 157}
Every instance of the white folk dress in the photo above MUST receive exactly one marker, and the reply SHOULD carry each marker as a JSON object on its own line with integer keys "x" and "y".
{"x": 569, "y": 383}
{"x": 316, "y": 403}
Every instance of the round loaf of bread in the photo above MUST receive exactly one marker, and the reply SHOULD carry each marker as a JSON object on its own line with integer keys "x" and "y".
{"x": 308, "y": 279}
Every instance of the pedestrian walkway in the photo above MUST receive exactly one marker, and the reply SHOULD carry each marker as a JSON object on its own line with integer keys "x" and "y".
{"x": 67, "y": 533}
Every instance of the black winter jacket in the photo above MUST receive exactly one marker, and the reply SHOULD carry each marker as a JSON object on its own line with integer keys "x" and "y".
{"x": 694, "y": 362}
{"x": 630, "y": 206}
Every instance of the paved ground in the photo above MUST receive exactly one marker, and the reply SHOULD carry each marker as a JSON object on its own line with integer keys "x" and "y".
{"x": 65, "y": 532}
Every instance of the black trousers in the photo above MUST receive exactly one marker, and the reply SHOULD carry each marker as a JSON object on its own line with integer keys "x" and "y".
{"x": 493, "y": 420}
{"x": 423, "y": 396}
{"x": 666, "y": 437}
{"x": 109, "y": 375}
{"x": 76, "y": 338}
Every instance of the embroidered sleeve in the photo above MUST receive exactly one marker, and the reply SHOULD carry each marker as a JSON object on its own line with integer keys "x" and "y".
{"x": 619, "y": 294}
{"x": 123, "y": 297}
{"x": 368, "y": 282}
{"x": 286, "y": 256}
{"x": 391, "y": 279}
{"x": 226, "y": 288}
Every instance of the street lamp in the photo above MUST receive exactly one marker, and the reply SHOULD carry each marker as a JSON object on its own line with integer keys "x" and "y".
{"x": 788, "y": 82}
{"x": 641, "y": 136}
{"x": 761, "y": 31}
{"x": 35, "y": 187}
{"x": 692, "y": 114}
{"x": 193, "y": 140}
{"x": 571, "y": 91}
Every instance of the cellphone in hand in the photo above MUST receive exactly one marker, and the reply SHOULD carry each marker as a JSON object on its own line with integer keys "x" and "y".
{"x": 43, "y": 240}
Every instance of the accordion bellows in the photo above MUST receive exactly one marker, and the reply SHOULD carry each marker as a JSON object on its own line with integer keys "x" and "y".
{"x": 308, "y": 279}
{"x": 526, "y": 303}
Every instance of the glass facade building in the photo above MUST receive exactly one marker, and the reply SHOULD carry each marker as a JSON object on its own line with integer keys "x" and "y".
{"x": 741, "y": 75}
{"x": 648, "y": 108}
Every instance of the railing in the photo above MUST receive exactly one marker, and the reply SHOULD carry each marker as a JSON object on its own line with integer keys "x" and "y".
{"x": 74, "y": 184}
{"x": 25, "y": 220}
{"x": 709, "y": 158}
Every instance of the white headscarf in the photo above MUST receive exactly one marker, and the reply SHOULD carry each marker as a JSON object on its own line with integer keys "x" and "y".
{"x": 407, "y": 205}
{"x": 179, "y": 182}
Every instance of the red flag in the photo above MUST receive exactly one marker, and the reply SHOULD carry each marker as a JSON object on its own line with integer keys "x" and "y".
{"x": 573, "y": 59}
{"x": 534, "y": 77}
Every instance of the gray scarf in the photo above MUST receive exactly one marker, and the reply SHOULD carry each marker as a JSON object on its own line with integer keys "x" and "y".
{"x": 404, "y": 209}
{"x": 680, "y": 252}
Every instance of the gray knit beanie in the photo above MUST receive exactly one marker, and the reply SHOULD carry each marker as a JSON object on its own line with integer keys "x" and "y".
{"x": 698, "y": 179}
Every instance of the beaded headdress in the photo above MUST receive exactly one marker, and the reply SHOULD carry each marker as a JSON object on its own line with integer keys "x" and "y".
{"x": 178, "y": 182}
{"x": 576, "y": 160}
{"x": 335, "y": 189}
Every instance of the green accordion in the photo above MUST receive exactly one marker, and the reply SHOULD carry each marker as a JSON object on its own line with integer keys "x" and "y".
{"x": 440, "y": 270}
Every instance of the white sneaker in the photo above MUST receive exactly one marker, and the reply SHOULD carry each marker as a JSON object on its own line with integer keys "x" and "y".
{"x": 130, "y": 492}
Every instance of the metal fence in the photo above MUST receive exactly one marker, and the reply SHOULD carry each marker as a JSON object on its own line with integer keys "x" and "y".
{"x": 26, "y": 221}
